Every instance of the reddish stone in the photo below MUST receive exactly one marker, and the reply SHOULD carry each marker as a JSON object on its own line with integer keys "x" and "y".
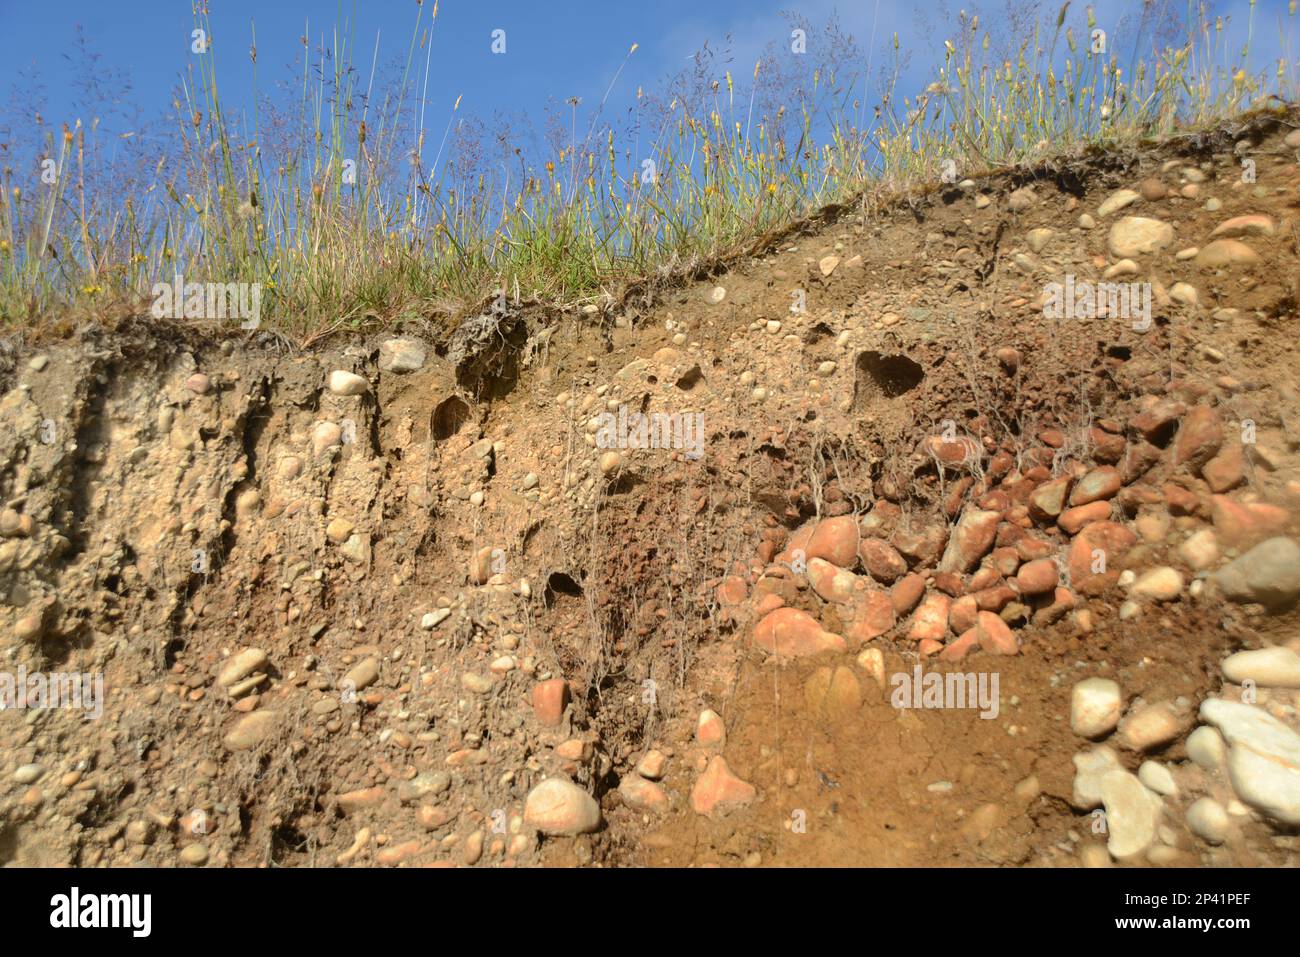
{"x": 931, "y": 619}
{"x": 792, "y": 633}
{"x": 834, "y": 539}
{"x": 949, "y": 583}
{"x": 1139, "y": 457}
{"x": 961, "y": 614}
{"x": 960, "y": 452}
{"x": 1030, "y": 548}
{"x": 872, "y": 616}
{"x": 994, "y": 599}
{"x": 1110, "y": 541}
{"x": 881, "y": 560}
{"x": 768, "y": 603}
{"x": 1006, "y": 560}
{"x": 832, "y": 583}
{"x": 1199, "y": 437}
{"x": 994, "y": 635}
{"x": 1052, "y": 438}
{"x": 1000, "y": 465}
{"x": 1037, "y": 577}
{"x": 1155, "y": 423}
{"x": 955, "y": 497}
{"x": 1073, "y": 519}
{"x": 929, "y": 646}
{"x": 1106, "y": 447}
{"x": 986, "y": 577}
{"x": 906, "y": 593}
{"x": 971, "y": 540}
{"x": 1243, "y": 524}
{"x": 549, "y": 701}
{"x": 719, "y": 789}
{"x": 995, "y": 501}
{"x": 1048, "y": 500}
{"x": 922, "y": 547}
{"x": 959, "y": 648}
{"x": 1226, "y": 470}
{"x": 732, "y": 591}
{"x": 1098, "y": 485}
{"x": 1181, "y": 501}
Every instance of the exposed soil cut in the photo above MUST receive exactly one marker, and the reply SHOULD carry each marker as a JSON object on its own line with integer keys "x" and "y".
{"x": 355, "y": 606}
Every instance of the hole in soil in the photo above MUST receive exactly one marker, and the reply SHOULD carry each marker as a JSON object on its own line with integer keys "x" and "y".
{"x": 691, "y": 379}
{"x": 448, "y": 417}
{"x": 887, "y": 375}
{"x": 560, "y": 583}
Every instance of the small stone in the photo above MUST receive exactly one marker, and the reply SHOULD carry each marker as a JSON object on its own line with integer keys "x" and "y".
{"x": 342, "y": 382}
{"x": 1206, "y": 747}
{"x": 1209, "y": 821}
{"x": 195, "y": 855}
{"x": 1157, "y": 777}
{"x": 642, "y": 794}
{"x": 28, "y": 774}
{"x": 710, "y": 730}
{"x": 1224, "y": 253}
{"x": 1117, "y": 201}
{"x": 251, "y": 730}
{"x": 362, "y": 675}
{"x": 719, "y": 789}
{"x": 1095, "y": 706}
{"x": 1268, "y": 574}
{"x": 557, "y": 806}
{"x": 1150, "y": 726}
{"x": 401, "y": 355}
{"x": 652, "y": 765}
{"x": 1274, "y": 667}
{"x": 1159, "y": 584}
{"x": 1138, "y": 235}
{"x": 1132, "y": 814}
{"x": 241, "y": 665}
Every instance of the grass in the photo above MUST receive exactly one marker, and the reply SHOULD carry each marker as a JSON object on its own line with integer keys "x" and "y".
{"x": 318, "y": 199}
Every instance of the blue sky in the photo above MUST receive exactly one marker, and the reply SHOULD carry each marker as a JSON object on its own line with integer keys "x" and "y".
{"x": 555, "y": 50}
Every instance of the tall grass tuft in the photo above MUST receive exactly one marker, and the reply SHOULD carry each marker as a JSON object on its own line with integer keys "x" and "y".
{"x": 356, "y": 206}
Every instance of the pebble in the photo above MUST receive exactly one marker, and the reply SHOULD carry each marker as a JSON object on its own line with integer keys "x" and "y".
{"x": 1159, "y": 584}
{"x": 1117, "y": 201}
{"x": 401, "y": 355}
{"x": 1263, "y": 757}
{"x": 195, "y": 855}
{"x": 1138, "y": 235}
{"x": 1269, "y": 574}
{"x": 28, "y": 774}
{"x": 241, "y": 665}
{"x": 1149, "y": 726}
{"x": 1095, "y": 706}
{"x": 1157, "y": 777}
{"x": 434, "y": 618}
{"x": 1132, "y": 814}
{"x": 719, "y": 789}
{"x": 251, "y": 730}
{"x": 1273, "y": 667}
{"x": 558, "y": 806}
{"x": 1206, "y": 747}
{"x": 342, "y": 382}
{"x": 1208, "y": 820}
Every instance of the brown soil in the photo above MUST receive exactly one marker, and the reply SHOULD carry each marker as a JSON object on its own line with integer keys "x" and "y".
{"x": 149, "y": 468}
